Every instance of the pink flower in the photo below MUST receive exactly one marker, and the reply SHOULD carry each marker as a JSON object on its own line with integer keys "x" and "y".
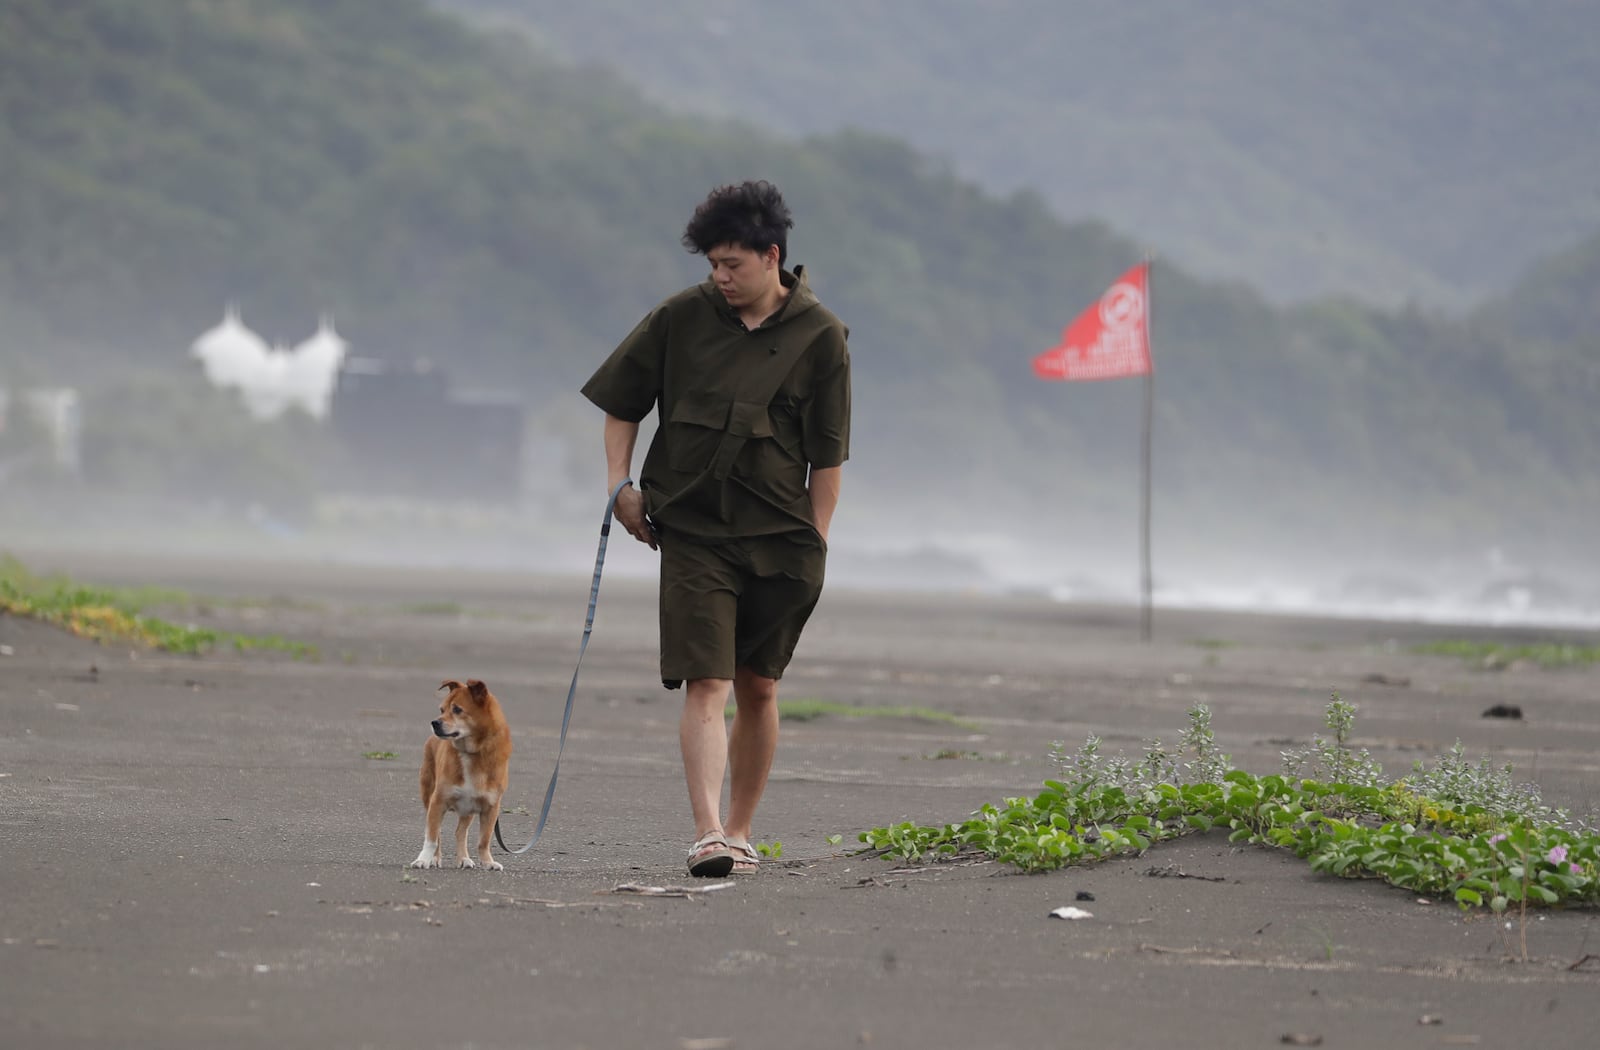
{"x": 1556, "y": 855}
{"x": 1497, "y": 838}
{"x": 1574, "y": 869}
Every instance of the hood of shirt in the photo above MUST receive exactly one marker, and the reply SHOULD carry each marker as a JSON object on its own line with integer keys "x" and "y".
{"x": 799, "y": 300}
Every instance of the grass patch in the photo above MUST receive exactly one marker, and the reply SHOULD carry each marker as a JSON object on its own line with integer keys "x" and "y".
{"x": 434, "y": 609}
{"x": 811, "y": 710}
{"x": 1497, "y": 654}
{"x": 277, "y": 602}
{"x": 1458, "y": 830}
{"x": 446, "y": 608}
{"x": 1213, "y": 643}
{"x": 116, "y": 614}
{"x": 380, "y": 756}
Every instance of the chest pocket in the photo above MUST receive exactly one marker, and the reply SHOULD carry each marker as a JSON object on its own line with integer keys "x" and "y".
{"x": 710, "y": 433}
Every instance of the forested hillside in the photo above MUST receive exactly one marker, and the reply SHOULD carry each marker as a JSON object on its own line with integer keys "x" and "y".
{"x": 1429, "y": 149}
{"x": 453, "y": 196}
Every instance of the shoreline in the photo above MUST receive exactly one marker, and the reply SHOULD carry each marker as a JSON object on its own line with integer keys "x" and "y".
{"x": 114, "y": 566}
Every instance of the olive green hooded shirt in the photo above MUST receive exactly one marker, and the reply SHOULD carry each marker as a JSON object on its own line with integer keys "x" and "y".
{"x": 730, "y": 458}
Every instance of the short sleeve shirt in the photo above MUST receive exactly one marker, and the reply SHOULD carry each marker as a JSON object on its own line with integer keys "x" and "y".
{"x": 744, "y": 414}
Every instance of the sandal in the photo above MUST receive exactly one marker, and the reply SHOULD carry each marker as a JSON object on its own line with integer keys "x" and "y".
{"x": 746, "y": 861}
{"x": 710, "y": 856}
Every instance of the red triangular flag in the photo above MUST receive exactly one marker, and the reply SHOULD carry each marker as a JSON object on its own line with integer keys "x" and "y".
{"x": 1110, "y": 340}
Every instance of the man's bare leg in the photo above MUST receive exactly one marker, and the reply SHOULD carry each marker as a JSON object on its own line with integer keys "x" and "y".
{"x": 703, "y": 736}
{"x": 751, "y": 744}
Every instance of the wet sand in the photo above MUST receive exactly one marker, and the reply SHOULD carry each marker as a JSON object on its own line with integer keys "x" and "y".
{"x": 198, "y": 852}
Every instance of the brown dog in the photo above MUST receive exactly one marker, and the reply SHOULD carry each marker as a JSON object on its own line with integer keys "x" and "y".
{"x": 464, "y": 768}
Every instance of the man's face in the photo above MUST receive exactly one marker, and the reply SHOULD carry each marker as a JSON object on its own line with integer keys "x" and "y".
{"x": 741, "y": 275}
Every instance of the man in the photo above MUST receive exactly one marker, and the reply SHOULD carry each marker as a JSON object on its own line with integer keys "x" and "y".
{"x": 750, "y": 378}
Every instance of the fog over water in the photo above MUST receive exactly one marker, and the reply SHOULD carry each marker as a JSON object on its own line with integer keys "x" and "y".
{"x": 1491, "y": 587}
{"x": 1491, "y": 591}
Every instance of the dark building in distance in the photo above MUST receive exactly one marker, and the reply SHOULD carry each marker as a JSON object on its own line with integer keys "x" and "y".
{"x": 406, "y": 433}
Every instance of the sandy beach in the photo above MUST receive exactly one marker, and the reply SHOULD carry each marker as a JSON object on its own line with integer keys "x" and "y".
{"x": 199, "y": 851}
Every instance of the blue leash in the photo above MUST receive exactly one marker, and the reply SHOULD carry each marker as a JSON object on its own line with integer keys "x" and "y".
{"x": 572, "y": 690}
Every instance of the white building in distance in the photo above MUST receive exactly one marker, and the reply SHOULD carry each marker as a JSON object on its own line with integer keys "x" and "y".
{"x": 272, "y": 378}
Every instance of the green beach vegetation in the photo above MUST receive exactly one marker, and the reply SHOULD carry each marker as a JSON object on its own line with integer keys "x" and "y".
{"x": 1501, "y": 654}
{"x": 1456, "y": 829}
{"x": 808, "y": 710}
{"x": 109, "y": 614}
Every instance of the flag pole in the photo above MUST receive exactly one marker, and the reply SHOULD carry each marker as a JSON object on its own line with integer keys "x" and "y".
{"x": 1146, "y": 580}
{"x": 1097, "y": 345}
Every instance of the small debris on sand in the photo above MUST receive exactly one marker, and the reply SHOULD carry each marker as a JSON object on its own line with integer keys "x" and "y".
{"x": 1504, "y": 711}
{"x": 1070, "y": 912}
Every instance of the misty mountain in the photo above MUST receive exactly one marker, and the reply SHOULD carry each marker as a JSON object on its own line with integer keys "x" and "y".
{"x": 455, "y": 196}
{"x": 1555, "y": 303}
{"x": 1425, "y": 150}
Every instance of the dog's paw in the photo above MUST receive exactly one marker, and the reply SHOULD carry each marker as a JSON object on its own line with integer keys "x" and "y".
{"x": 466, "y": 862}
{"x": 493, "y": 865}
{"x": 428, "y": 859}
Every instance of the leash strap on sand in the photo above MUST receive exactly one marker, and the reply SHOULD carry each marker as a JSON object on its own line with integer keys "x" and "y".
{"x": 572, "y": 690}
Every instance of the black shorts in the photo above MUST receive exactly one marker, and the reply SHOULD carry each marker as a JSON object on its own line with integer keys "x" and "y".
{"x": 730, "y": 604}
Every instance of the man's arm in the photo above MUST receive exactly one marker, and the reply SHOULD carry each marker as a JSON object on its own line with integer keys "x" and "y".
{"x": 824, "y": 490}
{"x": 620, "y": 437}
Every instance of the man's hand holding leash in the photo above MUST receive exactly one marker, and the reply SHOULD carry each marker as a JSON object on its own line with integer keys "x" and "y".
{"x": 620, "y": 436}
{"x": 630, "y": 511}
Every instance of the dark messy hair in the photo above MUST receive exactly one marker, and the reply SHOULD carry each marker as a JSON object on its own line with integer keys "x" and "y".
{"x": 751, "y": 215}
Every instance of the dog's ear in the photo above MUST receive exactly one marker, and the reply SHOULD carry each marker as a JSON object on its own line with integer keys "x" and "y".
{"x": 449, "y": 683}
{"x": 477, "y": 690}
